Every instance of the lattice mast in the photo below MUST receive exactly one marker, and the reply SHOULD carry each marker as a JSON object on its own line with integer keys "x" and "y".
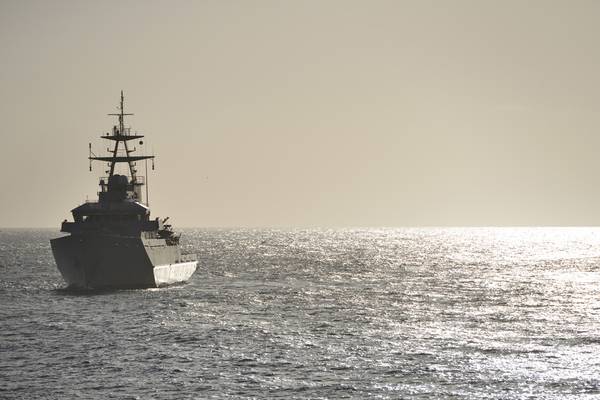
{"x": 123, "y": 135}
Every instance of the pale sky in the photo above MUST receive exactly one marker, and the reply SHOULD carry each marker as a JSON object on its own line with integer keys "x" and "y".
{"x": 309, "y": 113}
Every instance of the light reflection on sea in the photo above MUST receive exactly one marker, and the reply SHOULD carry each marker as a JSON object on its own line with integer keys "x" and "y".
{"x": 349, "y": 313}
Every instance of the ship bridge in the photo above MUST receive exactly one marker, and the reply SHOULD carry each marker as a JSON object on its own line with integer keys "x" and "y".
{"x": 99, "y": 211}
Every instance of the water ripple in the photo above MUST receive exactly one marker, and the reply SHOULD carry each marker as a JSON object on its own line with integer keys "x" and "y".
{"x": 347, "y": 313}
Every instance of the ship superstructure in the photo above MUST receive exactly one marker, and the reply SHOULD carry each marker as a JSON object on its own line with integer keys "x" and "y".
{"x": 113, "y": 242}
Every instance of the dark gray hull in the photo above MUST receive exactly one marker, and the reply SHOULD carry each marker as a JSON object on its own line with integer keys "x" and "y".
{"x": 111, "y": 261}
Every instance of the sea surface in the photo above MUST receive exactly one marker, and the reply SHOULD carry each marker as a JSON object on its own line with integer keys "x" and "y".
{"x": 490, "y": 313}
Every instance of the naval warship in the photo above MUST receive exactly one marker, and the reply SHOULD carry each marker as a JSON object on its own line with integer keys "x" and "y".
{"x": 113, "y": 242}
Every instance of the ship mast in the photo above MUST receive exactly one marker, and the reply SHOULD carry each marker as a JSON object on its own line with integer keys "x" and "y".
{"x": 119, "y": 135}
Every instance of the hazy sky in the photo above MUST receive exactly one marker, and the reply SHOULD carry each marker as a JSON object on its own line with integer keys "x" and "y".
{"x": 309, "y": 113}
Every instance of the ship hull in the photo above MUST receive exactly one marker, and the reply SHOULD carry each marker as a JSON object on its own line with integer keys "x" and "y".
{"x": 171, "y": 274}
{"x": 109, "y": 261}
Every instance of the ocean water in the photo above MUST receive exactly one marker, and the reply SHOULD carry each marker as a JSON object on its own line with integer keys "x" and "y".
{"x": 493, "y": 313}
